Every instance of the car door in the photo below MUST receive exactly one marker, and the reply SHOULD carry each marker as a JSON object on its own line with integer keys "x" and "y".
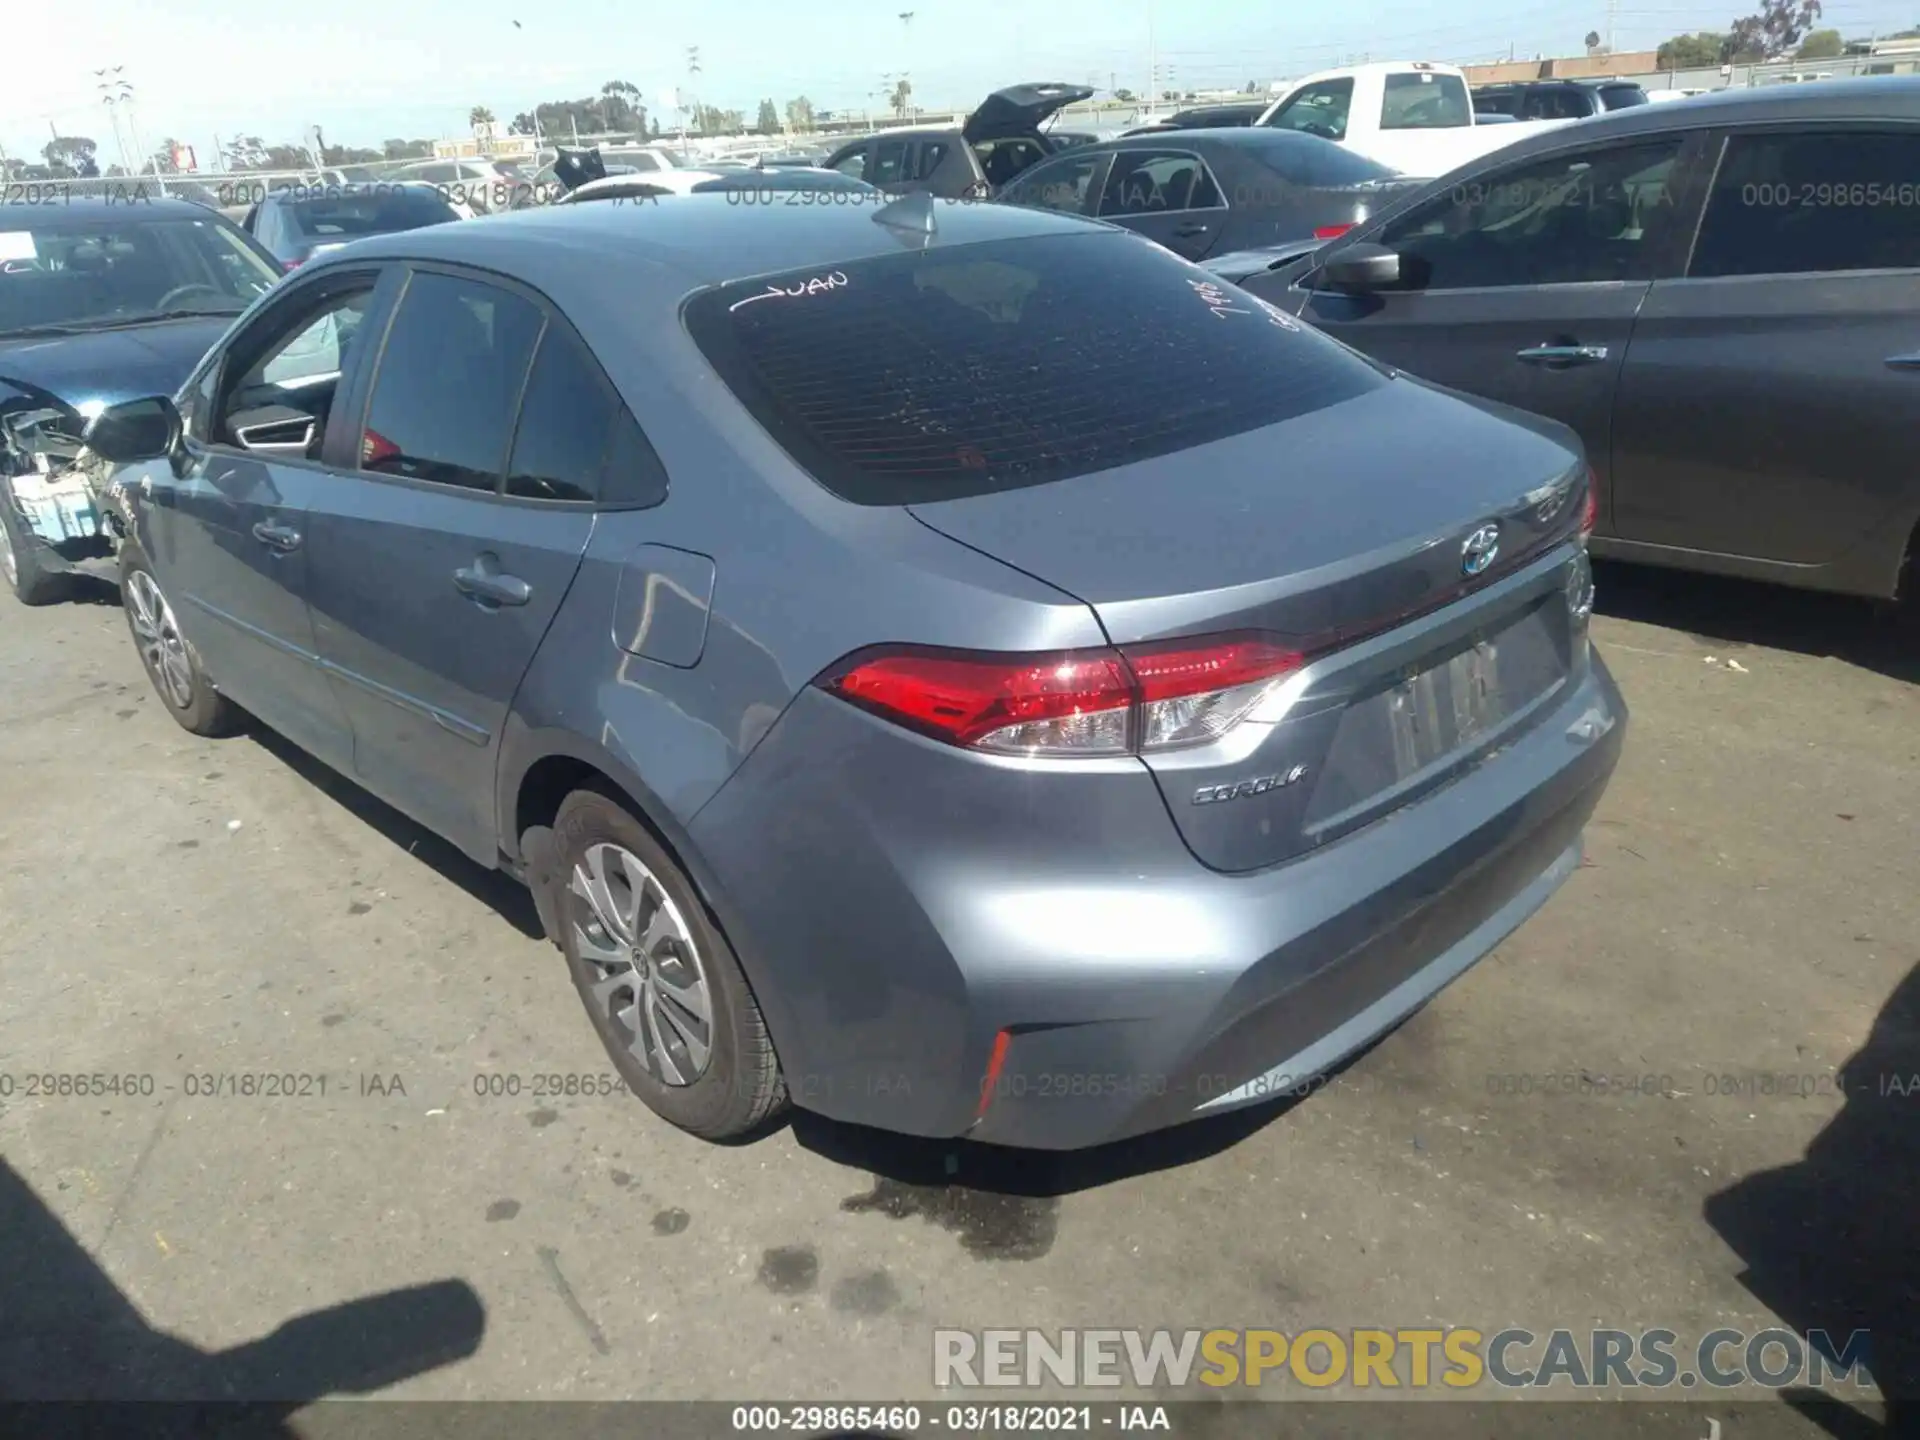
{"x": 227, "y": 526}
{"x": 1169, "y": 196}
{"x": 1767, "y": 405}
{"x": 1521, "y": 283}
{"x": 432, "y": 585}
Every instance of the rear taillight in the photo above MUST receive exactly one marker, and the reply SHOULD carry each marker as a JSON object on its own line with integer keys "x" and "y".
{"x": 1075, "y": 702}
{"x": 289, "y": 264}
{"x": 1331, "y": 232}
{"x": 1592, "y": 516}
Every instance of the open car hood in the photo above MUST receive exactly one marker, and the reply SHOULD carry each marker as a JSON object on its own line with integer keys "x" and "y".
{"x": 1019, "y": 109}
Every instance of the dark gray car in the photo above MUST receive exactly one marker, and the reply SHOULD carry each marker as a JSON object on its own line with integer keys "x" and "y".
{"x": 1722, "y": 297}
{"x": 896, "y": 698}
{"x": 301, "y": 221}
{"x": 1207, "y": 192}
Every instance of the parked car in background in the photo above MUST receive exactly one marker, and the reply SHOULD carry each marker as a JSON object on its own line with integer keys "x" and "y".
{"x": 483, "y": 185}
{"x": 1414, "y": 116}
{"x": 1722, "y": 297}
{"x": 1206, "y": 117}
{"x": 1199, "y": 192}
{"x": 1059, "y": 714}
{"x": 1659, "y": 97}
{"x": 667, "y": 170}
{"x": 296, "y": 225}
{"x": 745, "y": 187}
{"x": 998, "y": 141}
{"x": 1556, "y": 99}
{"x": 100, "y": 301}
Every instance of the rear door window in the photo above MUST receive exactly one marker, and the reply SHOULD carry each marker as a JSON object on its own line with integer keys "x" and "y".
{"x": 1006, "y": 364}
{"x": 889, "y": 162}
{"x": 1796, "y": 204}
{"x": 443, "y": 398}
{"x": 1147, "y": 182}
{"x": 575, "y": 441}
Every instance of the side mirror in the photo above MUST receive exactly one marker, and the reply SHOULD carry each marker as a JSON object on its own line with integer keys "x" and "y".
{"x": 135, "y": 430}
{"x": 1359, "y": 269}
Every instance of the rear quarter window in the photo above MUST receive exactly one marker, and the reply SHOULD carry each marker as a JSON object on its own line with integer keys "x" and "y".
{"x": 941, "y": 374}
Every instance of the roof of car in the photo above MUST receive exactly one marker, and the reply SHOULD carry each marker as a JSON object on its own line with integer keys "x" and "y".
{"x": 1257, "y": 139}
{"x": 708, "y": 239}
{"x": 301, "y": 194}
{"x": 1873, "y": 97}
{"x": 142, "y": 201}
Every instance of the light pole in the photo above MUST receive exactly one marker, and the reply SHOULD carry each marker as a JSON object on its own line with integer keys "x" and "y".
{"x": 693, "y": 69}
{"x": 114, "y": 92}
{"x": 906, "y": 54}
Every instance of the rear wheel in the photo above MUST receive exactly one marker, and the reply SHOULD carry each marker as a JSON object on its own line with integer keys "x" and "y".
{"x": 170, "y": 661}
{"x": 24, "y": 556}
{"x": 660, "y": 983}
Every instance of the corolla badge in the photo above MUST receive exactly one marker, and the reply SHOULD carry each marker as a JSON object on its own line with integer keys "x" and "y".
{"x": 1478, "y": 550}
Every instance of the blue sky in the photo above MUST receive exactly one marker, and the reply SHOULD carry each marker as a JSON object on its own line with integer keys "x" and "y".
{"x": 367, "y": 69}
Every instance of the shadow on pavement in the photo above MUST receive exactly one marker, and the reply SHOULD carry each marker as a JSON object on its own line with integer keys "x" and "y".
{"x": 1735, "y": 613}
{"x": 1833, "y": 1242}
{"x": 507, "y": 897}
{"x": 77, "y": 1357}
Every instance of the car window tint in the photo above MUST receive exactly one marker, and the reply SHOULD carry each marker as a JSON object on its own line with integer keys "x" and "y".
{"x": 1144, "y": 182}
{"x": 1621, "y": 97}
{"x": 889, "y": 160}
{"x": 1787, "y": 204}
{"x": 1424, "y": 100}
{"x": 1594, "y": 215}
{"x": 1060, "y": 186}
{"x": 564, "y": 421}
{"x": 1501, "y": 103}
{"x": 1319, "y": 109}
{"x": 927, "y": 158}
{"x": 932, "y": 374}
{"x": 444, "y": 396}
{"x": 853, "y": 163}
{"x": 291, "y": 358}
{"x": 631, "y": 473}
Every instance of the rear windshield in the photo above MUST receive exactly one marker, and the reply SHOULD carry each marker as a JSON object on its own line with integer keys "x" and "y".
{"x": 1309, "y": 160}
{"x": 934, "y": 375}
{"x": 1619, "y": 97}
{"x": 375, "y": 212}
{"x": 1425, "y": 100}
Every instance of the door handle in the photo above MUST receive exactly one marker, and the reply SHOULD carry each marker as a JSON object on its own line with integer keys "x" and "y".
{"x": 277, "y": 537}
{"x": 1909, "y": 361}
{"x": 1562, "y": 355}
{"x": 1191, "y": 228}
{"x": 489, "y": 586}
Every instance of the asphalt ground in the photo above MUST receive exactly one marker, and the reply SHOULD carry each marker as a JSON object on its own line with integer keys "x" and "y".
{"x": 1745, "y": 929}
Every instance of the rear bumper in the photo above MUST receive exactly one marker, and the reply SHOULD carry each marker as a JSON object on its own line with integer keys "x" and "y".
{"x": 895, "y": 922}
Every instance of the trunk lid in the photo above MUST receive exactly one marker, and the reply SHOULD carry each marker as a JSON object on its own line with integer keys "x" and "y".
{"x": 1019, "y": 109}
{"x": 1329, "y": 530}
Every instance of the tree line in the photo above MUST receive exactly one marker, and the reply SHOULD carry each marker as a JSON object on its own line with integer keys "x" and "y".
{"x": 1779, "y": 30}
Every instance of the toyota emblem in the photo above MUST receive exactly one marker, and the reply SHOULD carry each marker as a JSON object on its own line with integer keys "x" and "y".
{"x": 1477, "y": 552}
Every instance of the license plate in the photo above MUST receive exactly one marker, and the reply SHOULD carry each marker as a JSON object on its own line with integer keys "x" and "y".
{"x": 1447, "y": 707}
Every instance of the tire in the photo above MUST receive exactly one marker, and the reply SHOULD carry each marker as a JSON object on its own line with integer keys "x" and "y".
{"x": 735, "y": 1085}
{"x": 24, "y": 556}
{"x": 169, "y": 659}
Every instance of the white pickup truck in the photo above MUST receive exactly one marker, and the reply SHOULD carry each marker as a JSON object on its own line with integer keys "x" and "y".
{"x": 1411, "y": 115}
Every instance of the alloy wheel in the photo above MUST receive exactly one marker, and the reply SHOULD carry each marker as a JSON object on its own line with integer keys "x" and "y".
{"x": 640, "y": 966}
{"x": 161, "y": 645}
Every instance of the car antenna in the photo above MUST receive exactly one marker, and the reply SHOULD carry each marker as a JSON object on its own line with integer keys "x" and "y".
{"x": 910, "y": 212}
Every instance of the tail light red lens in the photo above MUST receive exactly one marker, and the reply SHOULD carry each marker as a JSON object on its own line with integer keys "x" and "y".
{"x": 1592, "y": 517}
{"x": 1330, "y": 232}
{"x": 1075, "y": 702}
{"x": 289, "y": 264}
